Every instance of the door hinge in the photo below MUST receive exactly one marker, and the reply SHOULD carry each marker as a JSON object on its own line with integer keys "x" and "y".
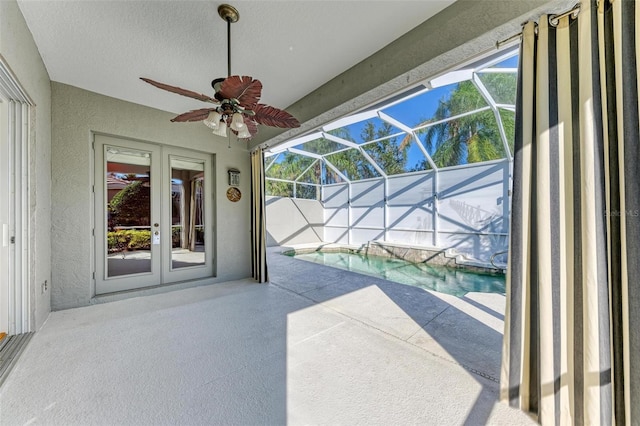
{"x": 93, "y": 274}
{"x": 12, "y": 240}
{"x": 93, "y": 189}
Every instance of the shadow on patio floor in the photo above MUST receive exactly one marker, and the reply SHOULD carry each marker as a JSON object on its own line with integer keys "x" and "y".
{"x": 317, "y": 346}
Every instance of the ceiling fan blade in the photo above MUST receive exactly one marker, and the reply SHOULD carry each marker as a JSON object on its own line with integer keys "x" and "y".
{"x": 274, "y": 117}
{"x": 180, "y": 91}
{"x": 252, "y": 127}
{"x": 245, "y": 89}
{"x": 195, "y": 115}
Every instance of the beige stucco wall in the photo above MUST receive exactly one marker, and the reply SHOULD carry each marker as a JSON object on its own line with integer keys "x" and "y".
{"x": 76, "y": 114}
{"x": 294, "y": 221}
{"x": 20, "y": 52}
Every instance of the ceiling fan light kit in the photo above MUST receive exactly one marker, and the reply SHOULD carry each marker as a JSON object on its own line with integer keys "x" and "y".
{"x": 213, "y": 120}
{"x": 221, "y": 130}
{"x": 235, "y": 101}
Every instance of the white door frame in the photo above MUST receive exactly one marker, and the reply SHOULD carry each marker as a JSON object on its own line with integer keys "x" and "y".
{"x": 162, "y": 271}
{"x": 169, "y": 274}
{"x": 103, "y": 283}
{"x": 15, "y": 240}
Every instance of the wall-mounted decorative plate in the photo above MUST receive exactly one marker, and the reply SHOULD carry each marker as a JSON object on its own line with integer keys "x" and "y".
{"x": 233, "y": 194}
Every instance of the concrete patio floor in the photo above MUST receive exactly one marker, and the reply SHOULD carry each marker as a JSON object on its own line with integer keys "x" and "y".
{"x": 315, "y": 346}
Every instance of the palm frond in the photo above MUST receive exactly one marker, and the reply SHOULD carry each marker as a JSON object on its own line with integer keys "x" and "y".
{"x": 449, "y": 153}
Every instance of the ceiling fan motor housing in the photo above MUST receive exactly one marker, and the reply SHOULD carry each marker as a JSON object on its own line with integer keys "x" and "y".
{"x": 216, "y": 84}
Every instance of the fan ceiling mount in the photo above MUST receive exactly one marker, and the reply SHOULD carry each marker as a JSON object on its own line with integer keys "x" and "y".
{"x": 228, "y": 13}
{"x": 235, "y": 98}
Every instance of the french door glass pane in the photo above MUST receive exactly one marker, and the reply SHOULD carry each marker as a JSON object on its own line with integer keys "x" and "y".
{"x": 187, "y": 213}
{"x": 128, "y": 184}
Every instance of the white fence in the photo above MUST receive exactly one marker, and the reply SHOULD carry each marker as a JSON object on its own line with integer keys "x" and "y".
{"x": 463, "y": 207}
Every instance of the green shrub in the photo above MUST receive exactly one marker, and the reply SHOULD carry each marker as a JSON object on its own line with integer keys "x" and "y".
{"x": 175, "y": 236}
{"x": 116, "y": 241}
{"x": 128, "y": 239}
{"x": 139, "y": 240}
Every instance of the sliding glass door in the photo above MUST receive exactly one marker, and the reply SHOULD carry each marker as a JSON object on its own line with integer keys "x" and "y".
{"x": 5, "y": 220}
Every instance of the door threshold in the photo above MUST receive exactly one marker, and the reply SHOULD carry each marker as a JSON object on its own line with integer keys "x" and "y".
{"x": 10, "y": 349}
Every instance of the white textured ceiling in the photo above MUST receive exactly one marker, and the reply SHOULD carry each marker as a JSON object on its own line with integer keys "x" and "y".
{"x": 293, "y": 47}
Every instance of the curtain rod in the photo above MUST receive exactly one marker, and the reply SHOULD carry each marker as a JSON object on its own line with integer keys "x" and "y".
{"x": 554, "y": 20}
{"x": 508, "y": 40}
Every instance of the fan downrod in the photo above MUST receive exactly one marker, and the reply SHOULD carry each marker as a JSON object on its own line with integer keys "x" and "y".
{"x": 228, "y": 13}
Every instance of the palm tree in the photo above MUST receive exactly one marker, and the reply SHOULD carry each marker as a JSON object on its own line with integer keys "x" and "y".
{"x": 350, "y": 162}
{"x": 469, "y": 139}
{"x": 472, "y": 138}
{"x": 390, "y": 156}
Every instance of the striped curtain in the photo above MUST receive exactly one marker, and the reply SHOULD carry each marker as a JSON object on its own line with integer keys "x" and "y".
{"x": 571, "y": 351}
{"x": 258, "y": 221}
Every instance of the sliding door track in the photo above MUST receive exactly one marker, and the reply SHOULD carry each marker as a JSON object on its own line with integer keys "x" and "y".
{"x": 10, "y": 349}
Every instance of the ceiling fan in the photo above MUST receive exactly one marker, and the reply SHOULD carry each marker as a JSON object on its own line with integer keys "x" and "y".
{"x": 235, "y": 101}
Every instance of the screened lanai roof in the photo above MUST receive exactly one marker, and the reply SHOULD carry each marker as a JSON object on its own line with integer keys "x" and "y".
{"x": 462, "y": 117}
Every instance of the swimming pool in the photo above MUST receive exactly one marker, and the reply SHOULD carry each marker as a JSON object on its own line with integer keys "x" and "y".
{"x": 443, "y": 279}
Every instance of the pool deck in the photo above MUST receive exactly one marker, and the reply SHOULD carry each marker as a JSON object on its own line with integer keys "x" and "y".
{"x": 464, "y": 330}
{"x": 317, "y": 345}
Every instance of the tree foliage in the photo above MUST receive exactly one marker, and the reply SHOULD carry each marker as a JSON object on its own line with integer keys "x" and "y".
{"x": 472, "y": 138}
{"x": 387, "y": 153}
{"x": 468, "y": 139}
{"x": 351, "y": 163}
{"x": 131, "y": 206}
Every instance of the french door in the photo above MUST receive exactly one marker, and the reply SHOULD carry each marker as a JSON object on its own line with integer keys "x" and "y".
{"x": 154, "y": 215}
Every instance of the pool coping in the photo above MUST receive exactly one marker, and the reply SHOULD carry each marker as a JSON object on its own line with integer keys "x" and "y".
{"x": 413, "y": 254}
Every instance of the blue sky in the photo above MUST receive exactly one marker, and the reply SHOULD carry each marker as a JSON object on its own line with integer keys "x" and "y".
{"x": 414, "y": 111}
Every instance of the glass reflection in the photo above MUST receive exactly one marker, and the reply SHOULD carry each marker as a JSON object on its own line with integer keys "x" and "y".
{"x": 128, "y": 211}
{"x": 187, "y": 215}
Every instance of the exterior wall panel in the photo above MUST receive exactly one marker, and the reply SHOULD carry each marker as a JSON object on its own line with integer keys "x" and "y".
{"x": 21, "y": 53}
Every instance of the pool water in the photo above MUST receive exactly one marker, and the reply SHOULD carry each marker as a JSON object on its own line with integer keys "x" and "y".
{"x": 432, "y": 277}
